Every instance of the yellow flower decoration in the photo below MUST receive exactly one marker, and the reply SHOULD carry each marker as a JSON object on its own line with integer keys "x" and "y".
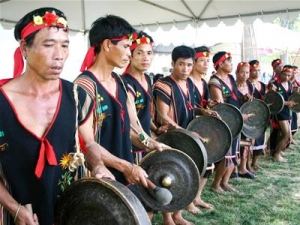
{"x": 65, "y": 160}
{"x": 38, "y": 20}
{"x": 62, "y": 21}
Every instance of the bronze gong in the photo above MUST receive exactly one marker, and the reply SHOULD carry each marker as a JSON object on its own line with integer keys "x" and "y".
{"x": 275, "y": 101}
{"x": 296, "y": 98}
{"x": 188, "y": 143}
{"x": 174, "y": 170}
{"x": 91, "y": 201}
{"x": 217, "y": 136}
{"x": 232, "y": 116}
{"x": 253, "y": 132}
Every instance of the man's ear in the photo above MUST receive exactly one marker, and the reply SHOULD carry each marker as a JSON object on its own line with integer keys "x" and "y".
{"x": 172, "y": 64}
{"x": 106, "y": 45}
{"x": 23, "y": 48}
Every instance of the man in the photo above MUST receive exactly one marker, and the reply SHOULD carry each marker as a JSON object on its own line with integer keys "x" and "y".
{"x": 277, "y": 65}
{"x": 202, "y": 99}
{"x": 175, "y": 100}
{"x": 37, "y": 111}
{"x": 296, "y": 88}
{"x": 285, "y": 88}
{"x": 259, "y": 93}
{"x": 140, "y": 90}
{"x": 115, "y": 120}
{"x": 245, "y": 89}
{"x": 222, "y": 87}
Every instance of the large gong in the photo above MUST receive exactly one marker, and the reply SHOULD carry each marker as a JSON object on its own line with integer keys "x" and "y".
{"x": 91, "y": 201}
{"x": 296, "y": 98}
{"x": 232, "y": 116}
{"x": 258, "y": 111}
{"x": 174, "y": 170}
{"x": 253, "y": 132}
{"x": 188, "y": 143}
{"x": 216, "y": 134}
{"x": 275, "y": 101}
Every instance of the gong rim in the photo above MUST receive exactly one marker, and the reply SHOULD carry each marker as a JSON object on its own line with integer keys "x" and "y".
{"x": 185, "y": 182}
{"x": 253, "y": 133}
{"x": 188, "y": 143}
{"x": 232, "y": 116}
{"x": 260, "y": 113}
{"x": 296, "y": 98}
{"x": 216, "y": 133}
{"x": 275, "y": 102}
{"x": 87, "y": 196}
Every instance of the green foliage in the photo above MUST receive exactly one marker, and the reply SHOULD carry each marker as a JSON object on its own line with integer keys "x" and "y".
{"x": 272, "y": 198}
{"x": 292, "y": 25}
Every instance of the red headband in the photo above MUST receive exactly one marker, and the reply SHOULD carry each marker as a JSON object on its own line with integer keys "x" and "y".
{"x": 50, "y": 19}
{"x": 222, "y": 59}
{"x": 254, "y": 66}
{"x": 90, "y": 55}
{"x": 242, "y": 64}
{"x": 287, "y": 69}
{"x": 139, "y": 41}
{"x": 276, "y": 63}
{"x": 202, "y": 54}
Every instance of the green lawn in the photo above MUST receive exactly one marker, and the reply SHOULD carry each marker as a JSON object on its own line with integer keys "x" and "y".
{"x": 273, "y": 197}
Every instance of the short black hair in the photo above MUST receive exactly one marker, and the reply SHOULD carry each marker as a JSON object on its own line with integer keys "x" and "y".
{"x": 108, "y": 27}
{"x": 202, "y": 49}
{"x": 253, "y": 62}
{"x": 183, "y": 51}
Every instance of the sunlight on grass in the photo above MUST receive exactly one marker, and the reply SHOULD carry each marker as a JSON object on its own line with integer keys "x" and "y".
{"x": 272, "y": 198}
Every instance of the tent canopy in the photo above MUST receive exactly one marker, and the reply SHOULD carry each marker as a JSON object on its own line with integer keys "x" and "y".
{"x": 151, "y": 14}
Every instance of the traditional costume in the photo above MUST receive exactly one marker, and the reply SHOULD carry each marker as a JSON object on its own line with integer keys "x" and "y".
{"x": 181, "y": 104}
{"x": 111, "y": 119}
{"x": 30, "y": 164}
{"x": 142, "y": 102}
{"x": 230, "y": 96}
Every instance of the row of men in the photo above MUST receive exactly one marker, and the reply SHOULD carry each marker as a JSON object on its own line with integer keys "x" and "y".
{"x": 111, "y": 113}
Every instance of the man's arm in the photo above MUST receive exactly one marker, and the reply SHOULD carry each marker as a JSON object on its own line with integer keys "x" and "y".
{"x": 163, "y": 116}
{"x": 136, "y": 128}
{"x": 97, "y": 157}
{"x": 17, "y": 211}
{"x": 216, "y": 94}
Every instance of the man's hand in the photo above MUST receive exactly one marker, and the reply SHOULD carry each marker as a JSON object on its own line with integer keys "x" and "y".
{"x": 155, "y": 145}
{"x": 213, "y": 102}
{"x": 209, "y": 112}
{"x": 100, "y": 171}
{"x": 290, "y": 103}
{"x": 25, "y": 217}
{"x": 161, "y": 130}
{"x": 136, "y": 175}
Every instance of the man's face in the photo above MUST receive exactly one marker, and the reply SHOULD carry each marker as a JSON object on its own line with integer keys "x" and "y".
{"x": 182, "y": 68}
{"x": 142, "y": 57}
{"x": 119, "y": 54}
{"x": 48, "y": 53}
{"x": 286, "y": 76}
{"x": 201, "y": 65}
{"x": 255, "y": 72}
{"x": 226, "y": 65}
{"x": 243, "y": 74}
{"x": 278, "y": 68}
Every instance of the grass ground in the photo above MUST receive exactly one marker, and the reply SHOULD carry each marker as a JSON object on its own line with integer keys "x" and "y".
{"x": 273, "y": 197}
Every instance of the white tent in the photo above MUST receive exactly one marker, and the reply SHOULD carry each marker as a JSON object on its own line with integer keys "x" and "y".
{"x": 151, "y": 14}
{"x": 172, "y": 16}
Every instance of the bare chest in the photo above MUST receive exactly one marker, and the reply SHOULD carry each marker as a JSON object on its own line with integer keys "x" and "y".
{"x": 199, "y": 86}
{"x": 36, "y": 113}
